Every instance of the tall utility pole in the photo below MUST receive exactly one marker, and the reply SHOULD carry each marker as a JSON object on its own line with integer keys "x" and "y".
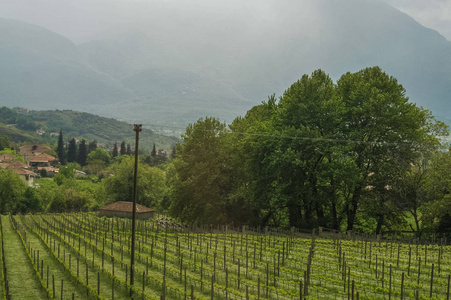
{"x": 137, "y": 128}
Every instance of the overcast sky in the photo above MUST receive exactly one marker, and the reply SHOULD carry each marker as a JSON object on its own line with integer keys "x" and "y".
{"x": 82, "y": 20}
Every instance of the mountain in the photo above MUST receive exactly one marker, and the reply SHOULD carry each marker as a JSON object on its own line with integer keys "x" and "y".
{"x": 180, "y": 64}
{"x": 42, "y": 70}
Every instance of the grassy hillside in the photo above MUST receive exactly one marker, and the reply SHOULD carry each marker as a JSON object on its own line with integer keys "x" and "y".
{"x": 15, "y": 134}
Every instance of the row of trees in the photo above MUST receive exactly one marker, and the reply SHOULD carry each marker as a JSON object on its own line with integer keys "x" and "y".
{"x": 80, "y": 153}
{"x": 339, "y": 155}
{"x": 73, "y": 153}
{"x": 354, "y": 154}
{"x": 66, "y": 192}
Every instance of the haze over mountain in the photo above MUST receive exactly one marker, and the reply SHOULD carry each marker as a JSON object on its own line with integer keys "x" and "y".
{"x": 182, "y": 62}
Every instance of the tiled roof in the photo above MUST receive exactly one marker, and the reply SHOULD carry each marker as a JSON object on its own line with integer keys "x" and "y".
{"x": 49, "y": 169}
{"x": 37, "y": 146}
{"x": 17, "y": 167}
{"x": 6, "y": 157}
{"x": 13, "y": 164}
{"x": 22, "y": 171}
{"x": 42, "y": 158}
{"x": 125, "y": 206}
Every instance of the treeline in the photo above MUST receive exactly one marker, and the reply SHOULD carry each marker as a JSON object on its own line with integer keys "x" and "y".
{"x": 354, "y": 154}
{"x": 80, "y": 152}
{"x": 104, "y": 178}
{"x": 351, "y": 155}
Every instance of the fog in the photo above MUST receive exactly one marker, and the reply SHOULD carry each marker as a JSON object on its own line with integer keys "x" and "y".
{"x": 84, "y": 20}
{"x": 235, "y": 53}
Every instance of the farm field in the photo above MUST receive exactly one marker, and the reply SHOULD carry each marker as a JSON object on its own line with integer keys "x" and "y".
{"x": 81, "y": 256}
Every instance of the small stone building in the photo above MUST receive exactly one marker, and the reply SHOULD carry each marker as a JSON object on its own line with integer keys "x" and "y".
{"x": 124, "y": 209}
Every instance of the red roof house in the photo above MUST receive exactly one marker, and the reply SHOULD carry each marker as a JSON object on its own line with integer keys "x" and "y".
{"x": 124, "y": 209}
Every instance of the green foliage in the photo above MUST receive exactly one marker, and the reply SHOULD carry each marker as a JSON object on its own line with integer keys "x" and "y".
{"x": 115, "y": 152}
{"x": 92, "y": 146}
{"x": 95, "y": 128}
{"x": 61, "y": 152}
{"x": 21, "y": 121}
{"x": 199, "y": 195}
{"x": 123, "y": 149}
{"x": 13, "y": 153}
{"x": 151, "y": 185}
{"x": 12, "y": 189}
{"x": 99, "y": 154}
{"x": 72, "y": 151}
{"x": 69, "y": 194}
{"x": 324, "y": 155}
{"x": 82, "y": 154}
{"x": 4, "y": 142}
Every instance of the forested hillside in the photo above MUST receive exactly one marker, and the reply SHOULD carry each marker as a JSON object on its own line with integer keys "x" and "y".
{"x": 21, "y": 125}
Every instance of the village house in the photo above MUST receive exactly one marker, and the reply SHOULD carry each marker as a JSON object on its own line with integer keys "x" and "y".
{"x": 36, "y": 149}
{"x": 41, "y": 160}
{"x": 124, "y": 209}
{"x": 35, "y": 155}
{"x": 8, "y": 161}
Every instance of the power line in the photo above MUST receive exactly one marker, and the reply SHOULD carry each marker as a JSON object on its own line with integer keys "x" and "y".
{"x": 318, "y": 139}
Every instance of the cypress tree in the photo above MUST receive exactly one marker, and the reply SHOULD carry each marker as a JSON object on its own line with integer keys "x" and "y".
{"x": 115, "y": 152}
{"x": 129, "y": 150}
{"x": 60, "y": 149}
{"x": 92, "y": 146}
{"x": 173, "y": 152}
{"x": 154, "y": 152}
{"x": 72, "y": 151}
{"x": 82, "y": 153}
{"x": 123, "y": 148}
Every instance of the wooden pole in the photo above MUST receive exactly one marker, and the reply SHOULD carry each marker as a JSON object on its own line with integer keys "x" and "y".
{"x": 137, "y": 128}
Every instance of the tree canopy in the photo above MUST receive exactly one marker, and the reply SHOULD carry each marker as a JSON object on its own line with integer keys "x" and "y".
{"x": 324, "y": 154}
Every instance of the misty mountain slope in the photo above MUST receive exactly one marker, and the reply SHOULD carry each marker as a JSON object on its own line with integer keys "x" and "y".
{"x": 257, "y": 57}
{"x": 42, "y": 70}
{"x": 420, "y": 58}
{"x": 182, "y": 62}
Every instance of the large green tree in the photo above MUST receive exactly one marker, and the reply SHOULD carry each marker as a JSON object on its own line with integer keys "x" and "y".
{"x": 151, "y": 185}
{"x": 4, "y": 142}
{"x": 327, "y": 154}
{"x": 383, "y": 130}
{"x": 200, "y": 193}
{"x": 12, "y": 190}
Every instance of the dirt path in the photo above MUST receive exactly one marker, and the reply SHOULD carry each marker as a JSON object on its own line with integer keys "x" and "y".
{"x": 23, "y": 282}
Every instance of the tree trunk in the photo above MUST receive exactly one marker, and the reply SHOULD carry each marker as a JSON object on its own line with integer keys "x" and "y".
{"x": 352, "y": 209}
{"x": 380, "y": 222}
{"x": 295, "y": 214}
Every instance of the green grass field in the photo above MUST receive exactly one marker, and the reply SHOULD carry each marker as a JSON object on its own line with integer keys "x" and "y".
{"x": 86, "y": 257}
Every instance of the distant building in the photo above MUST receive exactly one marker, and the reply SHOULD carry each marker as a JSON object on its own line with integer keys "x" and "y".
{"x": 124, "y": 209}
{"x": 40, "y": 131}
{"x": 36, "y": 149}
{"x": 8, "y": 161}
{"x": 50, "y": 171}
{"x": 41, "y": 160}
{"x": 35, "y": 156}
